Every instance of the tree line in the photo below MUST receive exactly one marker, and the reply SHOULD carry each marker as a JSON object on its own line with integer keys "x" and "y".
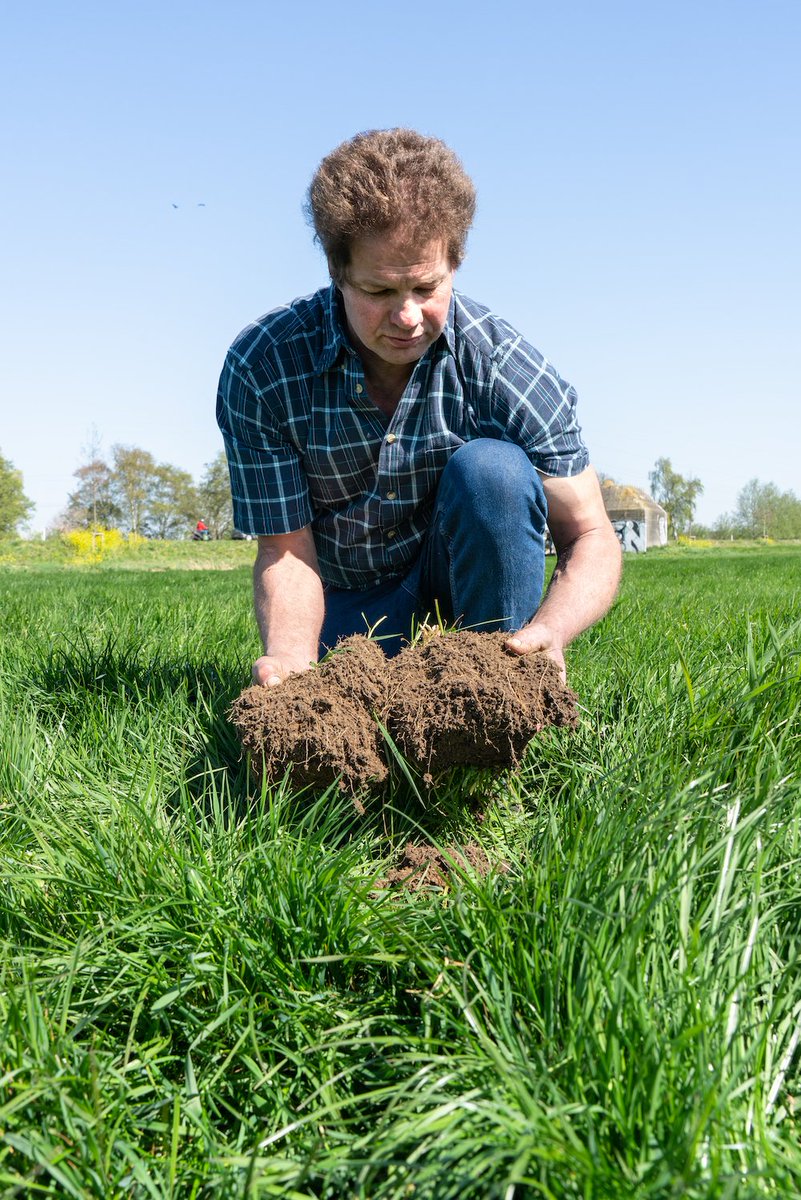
{"x": 132, "y": 492}
{"x": 148, "y": 498}
{"x": 762, "y": 510}
{"x": 139, "y": 495}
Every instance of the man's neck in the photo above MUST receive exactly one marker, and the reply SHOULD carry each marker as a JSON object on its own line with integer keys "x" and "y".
{"x": 386, "y": 382}
{"x": 385, "y": 398}
{"x": 387, "y": 377}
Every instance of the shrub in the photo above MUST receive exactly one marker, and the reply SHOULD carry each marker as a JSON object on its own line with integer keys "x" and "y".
{"x": 92, "y": 545}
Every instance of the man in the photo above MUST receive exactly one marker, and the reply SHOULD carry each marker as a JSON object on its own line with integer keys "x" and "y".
{"x": 397, "y": 448}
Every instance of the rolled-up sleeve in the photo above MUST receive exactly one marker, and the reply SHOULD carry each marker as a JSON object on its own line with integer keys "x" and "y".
{"x": 536, "y": 408}
{"x": 268, "y": 486}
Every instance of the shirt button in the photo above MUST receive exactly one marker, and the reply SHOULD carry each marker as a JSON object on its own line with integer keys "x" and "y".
{"x": 390, "y": 533}
{"x": 391, "y": 437}
{"x": 391, "y": 495}
{"x": 359, "y": 389}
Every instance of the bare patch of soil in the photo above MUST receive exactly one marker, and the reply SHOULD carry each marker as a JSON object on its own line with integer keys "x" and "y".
{"x": 460, "y": 699}
{"x": 424, "y": 866}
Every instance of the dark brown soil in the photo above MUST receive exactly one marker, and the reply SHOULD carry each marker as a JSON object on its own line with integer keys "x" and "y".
{"x": 459, "y": 699}
{"x": 425, "y": 866}
{"x": 465, "y": 700}
{"x": 320, "y": 723}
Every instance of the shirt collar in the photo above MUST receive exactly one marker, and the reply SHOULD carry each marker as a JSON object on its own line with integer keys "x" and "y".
{"x": 334, "y": 338}
{"x": 448, "y": 332}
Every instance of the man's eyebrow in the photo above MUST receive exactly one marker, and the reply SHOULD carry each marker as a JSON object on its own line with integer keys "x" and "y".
{"x": 426, "y": 281}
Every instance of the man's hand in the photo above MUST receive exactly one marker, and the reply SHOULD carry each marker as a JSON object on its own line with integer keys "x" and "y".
{"x": 271, "y": 671}
{"x": 537, "y": 636}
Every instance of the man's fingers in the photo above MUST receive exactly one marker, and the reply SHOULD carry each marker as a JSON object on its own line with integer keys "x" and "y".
{"x": 267, "y": 672}
{"x": 526, "y": 643}
{"x": 529, "y": 641}
{"x": 518, "y": 646}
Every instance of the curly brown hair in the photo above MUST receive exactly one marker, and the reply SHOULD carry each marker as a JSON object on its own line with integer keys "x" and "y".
{"x": 390, "y": 180}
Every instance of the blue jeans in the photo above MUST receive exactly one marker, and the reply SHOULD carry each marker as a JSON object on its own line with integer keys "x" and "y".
{"x": 482, "y": 563}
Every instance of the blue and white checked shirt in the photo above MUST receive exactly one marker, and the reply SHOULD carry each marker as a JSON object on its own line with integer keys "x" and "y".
{"x": 306, "y": 445}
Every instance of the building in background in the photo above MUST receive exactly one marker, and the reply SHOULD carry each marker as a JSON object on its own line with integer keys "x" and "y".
{"x": 639, "y": 522}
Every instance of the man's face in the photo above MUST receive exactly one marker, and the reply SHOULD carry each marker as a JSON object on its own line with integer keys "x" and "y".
{"x": 397, "y": 294}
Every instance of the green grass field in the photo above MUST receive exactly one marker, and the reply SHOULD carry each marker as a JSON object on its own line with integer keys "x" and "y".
{"x": 203, "y": 993}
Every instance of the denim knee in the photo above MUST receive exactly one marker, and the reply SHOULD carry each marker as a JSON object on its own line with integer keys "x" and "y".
{"x": 493, "y": 481}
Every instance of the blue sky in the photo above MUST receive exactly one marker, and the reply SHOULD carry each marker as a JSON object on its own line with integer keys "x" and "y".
{"x": 639, "y": 179}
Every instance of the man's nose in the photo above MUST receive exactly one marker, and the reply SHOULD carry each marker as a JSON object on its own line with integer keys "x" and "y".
{"x": 408, "y": 314}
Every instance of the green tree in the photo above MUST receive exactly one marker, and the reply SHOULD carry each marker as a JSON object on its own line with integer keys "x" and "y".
{"x": 133, "y": 481}
{"x": 214, "y": 497}
{"x": 92, "y": 503}
{"x": 173, "y": 503}
{"x": 764, "y": 511}
{"x": 676, "y": 494}
{"x": 155, "y": 499}
{"x": 725, "y": 527}
{"x": 15, "y": 507}
{"x": 788, "y": 516}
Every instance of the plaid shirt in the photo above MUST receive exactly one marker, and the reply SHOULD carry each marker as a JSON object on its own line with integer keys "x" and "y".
{"x": 306, "y": 445}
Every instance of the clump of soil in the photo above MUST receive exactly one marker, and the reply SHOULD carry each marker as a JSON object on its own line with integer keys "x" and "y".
{"x": 320, "y": 723}
{"x": 465, "y": 700}
{"x": 460, "y": 699}
{"x": 425, "y": 866}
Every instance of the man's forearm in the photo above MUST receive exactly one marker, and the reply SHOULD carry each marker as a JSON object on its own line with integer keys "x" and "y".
{"x": 581, "y": 591}
{"x": 583, "y": 585}
{"x": 288, "y": 600}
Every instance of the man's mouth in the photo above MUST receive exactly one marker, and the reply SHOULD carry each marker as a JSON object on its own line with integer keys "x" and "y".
{"x": 403, "y": 341}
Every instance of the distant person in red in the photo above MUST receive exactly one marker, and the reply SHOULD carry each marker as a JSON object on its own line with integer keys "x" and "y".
{"x": 201, "y": 533}
{"x": 202, "y": 527}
